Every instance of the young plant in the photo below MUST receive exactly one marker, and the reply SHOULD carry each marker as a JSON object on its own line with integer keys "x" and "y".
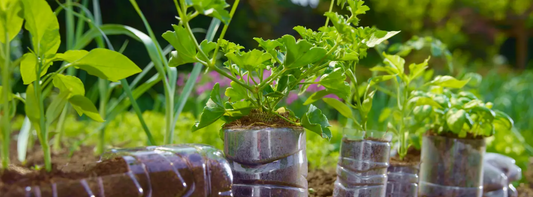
{"x": 293, "y": 64}
{"x": 462, "y": 115}
{"x": 409, "y": 104}
{"x": 352, "y": 43}
{"x": 43, "y": 26}
{"x": 11, "y": 23}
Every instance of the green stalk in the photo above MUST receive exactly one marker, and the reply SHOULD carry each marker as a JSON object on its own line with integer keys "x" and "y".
{"x": 330, "y": 9}
{"x": 6, "y": 122}
{"x": 102, "y": 88}
{"x": 224, "y": 29}
{"x": 42, "y": 121}
{"x": 60, "y": 128}
{"x": 69, "y": 17}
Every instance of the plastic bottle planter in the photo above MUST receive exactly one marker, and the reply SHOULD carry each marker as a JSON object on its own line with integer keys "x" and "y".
{"x": 363, "y": 163}
{"x": 498, "y": 173}
{"x": 168, "y": 171}
{"x": 267, "y": 161}
{"x": 402, "y": 180}
{"x": 451, "y": 167}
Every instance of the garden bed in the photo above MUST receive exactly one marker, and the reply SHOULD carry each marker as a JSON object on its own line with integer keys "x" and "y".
{"x": 526, "y": 190}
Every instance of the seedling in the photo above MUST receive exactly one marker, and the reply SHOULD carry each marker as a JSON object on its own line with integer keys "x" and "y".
{"x": 42, "y": 24}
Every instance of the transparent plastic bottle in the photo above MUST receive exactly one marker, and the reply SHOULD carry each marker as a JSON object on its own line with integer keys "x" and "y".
{"x": 163, "y": 171}
{"x": 402, "y": 181}
{"x": 451, "y": 167}
{"x": 363, "y": 163}
{"x": 267, "y": 161}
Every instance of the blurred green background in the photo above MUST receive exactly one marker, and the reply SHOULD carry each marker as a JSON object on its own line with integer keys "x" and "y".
{"x": 493, "y": 38}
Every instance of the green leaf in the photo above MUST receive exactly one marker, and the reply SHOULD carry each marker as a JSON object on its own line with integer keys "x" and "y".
{"x": 236, "y": 92}
{"x": 315, "y": 121}
{"x": 448, "y": 82}
{"x": 380, "y": 36}
{"x": 32, "y": 107}
{"x": 396, "y": 62}
{"x": 301, "y": 53}
{"x": 269, "y": 46}
{"x": 207, "y": 47}
{"x": 69, "y": 85}
{"x": 381, "y": 78}
{"x": 455, "y": 119}
{"x": 56, "y": 107}
{"x": 70, "y": 55}
{"x": 387, "y": 69}
{"x": 283, "y": 83}
{"x": 107, "y": 64}
{"x": 14, "y": 21}
{"x": 503, "y": 119}
{"x": 184, "y": 45}
{"x": 316, "y": 96}
{"x": 42, "y": 23}
{"x": 367, "y": 103}
{"x": 84, "y": 106}
{"x": 28, "y": 67}
{"x": 335, "y": 83}
{"x": 213, "y": 110}
{"x": 213, "y": 8}
{"x": 422, "y": 112}
{"x": 342, "y": 108}
{"x": 421, "y": 101}
{"x": 251, "y": 60}
{"x": 416, "y": 70}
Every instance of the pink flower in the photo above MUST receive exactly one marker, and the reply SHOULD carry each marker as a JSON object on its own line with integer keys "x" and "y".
{"x": 291, "y": 97}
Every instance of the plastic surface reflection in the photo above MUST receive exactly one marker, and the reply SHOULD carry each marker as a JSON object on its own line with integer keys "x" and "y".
{"x": 363, "y": 163}
{"x": 179, "y": 170}
{"x": 267, "y": 161}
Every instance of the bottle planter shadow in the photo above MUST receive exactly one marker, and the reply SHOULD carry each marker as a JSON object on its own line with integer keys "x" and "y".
{"x": 363, "y": 163}
{"x": 180, "y": 170}
{"x": 451, "y": 167}
{"x": 267, "y": 161}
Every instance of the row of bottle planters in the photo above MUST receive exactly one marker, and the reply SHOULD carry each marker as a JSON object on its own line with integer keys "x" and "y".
{"x": 273, "y": 162}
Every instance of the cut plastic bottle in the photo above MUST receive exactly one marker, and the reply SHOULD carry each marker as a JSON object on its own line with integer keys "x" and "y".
{"x": 363, "y": 163}
{"x": 402, "y": 181}
{"x": 163, "y": 171}
{"x": 267, "y": 161}
{"x": 451, "y": 167}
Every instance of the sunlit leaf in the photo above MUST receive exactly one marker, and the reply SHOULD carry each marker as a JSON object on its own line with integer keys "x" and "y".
{"x": 335, "y": 83}
{"x": 448, "y": 82}
{"x": 251, "y": 60}
{"x": 342, "y": 108}
{"x": 315, "y": 121}
{"x": 69, "y": 85}
{"x": 301, "y": 53}
{"x": 184, "y": 45}
{"x": 42, "y": 23}
{"x": 107, "y": 64}
{"x": 213, "y": 110}
{"x": 84, "y": 106}
{"x": 14, "y": 21}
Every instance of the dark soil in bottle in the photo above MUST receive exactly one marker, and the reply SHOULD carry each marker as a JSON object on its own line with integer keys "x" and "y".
{"x": 451, "y": 166}
{"x": 402, "y": 175}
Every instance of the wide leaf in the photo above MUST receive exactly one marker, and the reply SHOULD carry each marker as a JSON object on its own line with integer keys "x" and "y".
{"x": 301, "y": 53}
{"x": 213, "y": 110}
{"x": 84, "y": 106}
{"x": 70, "y": 56}
{"x": 184, "y": 45}
{"x": 448, "y": 82}
{"x": 107, "y": 64}
{"x": 335, "y": 83}
{"x": 316, "y": 96}
{"x": 213, "y": 8}
{"x": 315, "y": 121}
{"x": 455, "y": 119}
{"x": 236, "y": 92}
{"x": 42, "y": 23}
{"x": 28, "y": 66}
{"x": 69, "y": 85}
{"x": 342, "y": 108}
{"x": 380, "y": 36}
{"x": 251, "y": 60}
{"x": 32, "y": 107}
{"x": 13, "y": 20}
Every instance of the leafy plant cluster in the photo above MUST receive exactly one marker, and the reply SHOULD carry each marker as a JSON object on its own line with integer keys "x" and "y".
{"x": 330, "y": 54}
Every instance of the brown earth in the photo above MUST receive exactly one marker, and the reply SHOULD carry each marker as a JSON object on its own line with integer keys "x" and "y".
{"x": 259, "y": 119}
{"x": 321, "y": 182}
{"x": 526, "y": 190}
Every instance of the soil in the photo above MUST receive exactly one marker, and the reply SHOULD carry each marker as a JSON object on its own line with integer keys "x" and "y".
{"x": 82, "y": 164}
{"x": 450, "y": 134}
{"x": 526, "y": 190}
{"x": 258, "y": 119}
{"x": 412, "y": 158}
{"x": 321, "y": 182}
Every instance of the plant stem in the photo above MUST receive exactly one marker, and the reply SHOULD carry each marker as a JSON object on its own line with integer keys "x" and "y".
{"x": 270, "y": 78}
{"x": 6, "y": 122}
{"x": 222, "y": 72}
{"x": 69, "y": 18}
{"x": 224, "y": 29}
{"x": 102, "y": 89}
{"x": 42, "y": 120}
{"x": 61, "y": 129}
{"x": 330, "y": 9}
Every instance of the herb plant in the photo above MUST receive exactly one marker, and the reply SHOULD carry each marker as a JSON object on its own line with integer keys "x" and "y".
{"x": 43, "y": 26}
{"x": 462, "y": 115}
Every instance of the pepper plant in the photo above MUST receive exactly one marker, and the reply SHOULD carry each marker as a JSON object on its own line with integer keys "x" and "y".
{"x": 43, "y": 26}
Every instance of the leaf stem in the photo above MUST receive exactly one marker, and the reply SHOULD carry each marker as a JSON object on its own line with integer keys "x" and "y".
{"x": 42, "y": 120}
{"x": 6, "y": 122}
{"x": 224, "y": 29}
{"x": 330, "y": 9}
